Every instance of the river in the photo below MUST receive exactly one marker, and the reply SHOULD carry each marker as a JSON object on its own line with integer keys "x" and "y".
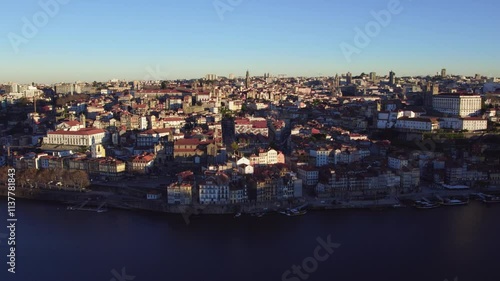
{"x": 453, "y": 243}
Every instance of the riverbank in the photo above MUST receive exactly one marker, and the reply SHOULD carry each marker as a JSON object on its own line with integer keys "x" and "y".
{"x": 117, "y": 201}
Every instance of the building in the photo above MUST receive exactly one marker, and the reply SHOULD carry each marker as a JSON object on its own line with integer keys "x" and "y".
{"x": 474, "y": 124}
{"x": 251, "y": 125}
{"x": 210, "y": 77}
{"x": 443, "y": 73}
{"x": 108, "y": 168}
{"x": 247, "y": 80}
{"x": 214, "y": 189}
{"x": 397, "y": 162}
{"x": 417, "y": 124}
{"x": 151, "y": 137}
{"x": 392, "y": 78}
{"x": 320, "y": 156}
{"x": 180, "y": 193}
{"x": 349, "y": 78}
{"x": 187, "y": 148}
{"x": 141, "y": 164}
{"x": 83, "y": 137}
{"x": 458, "y": 104}
{"x": 308, "y": 175}
{"x": 410, "y": 178}
{"x": 70, "y": 126}
{"x": 238, "y": 194}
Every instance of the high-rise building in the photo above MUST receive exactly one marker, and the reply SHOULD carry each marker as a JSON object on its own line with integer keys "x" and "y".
{"x": 373, "y": 76}
{"x": 349, "y": 78}
{"x": 443, "y": 72}
{"x": 247, "y": 80}
{"x": 211, "y": 77}
{"x": 336, "y": 82}
{"x": 392, "y": 78}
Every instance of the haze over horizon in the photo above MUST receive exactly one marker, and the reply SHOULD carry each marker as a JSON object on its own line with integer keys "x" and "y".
{"x": 98, "y": 41}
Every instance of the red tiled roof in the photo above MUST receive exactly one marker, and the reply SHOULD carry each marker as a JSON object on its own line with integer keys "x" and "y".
{"x": 187, "y": 142}
{"x": 72, "y": 123}
{"x": 82, "y": 132}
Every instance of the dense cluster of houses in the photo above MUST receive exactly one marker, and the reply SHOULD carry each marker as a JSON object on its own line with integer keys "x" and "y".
{"x": 267, "y": 139}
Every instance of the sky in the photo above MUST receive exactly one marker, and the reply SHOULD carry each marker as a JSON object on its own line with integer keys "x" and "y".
{"x": 99, "y": 40}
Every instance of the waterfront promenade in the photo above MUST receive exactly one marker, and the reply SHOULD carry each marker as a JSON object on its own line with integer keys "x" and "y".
{"x": 120, "y": 197}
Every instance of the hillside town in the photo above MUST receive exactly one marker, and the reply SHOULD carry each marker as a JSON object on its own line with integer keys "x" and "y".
{"x": 231, "y": 141}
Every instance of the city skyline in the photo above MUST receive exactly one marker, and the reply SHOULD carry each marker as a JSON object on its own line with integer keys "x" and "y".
{"x": 190, "y": 40}
{"x": 231, "y": 76}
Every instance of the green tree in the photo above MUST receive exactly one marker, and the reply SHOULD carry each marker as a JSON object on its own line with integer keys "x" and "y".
{"x": 235, "y": 146}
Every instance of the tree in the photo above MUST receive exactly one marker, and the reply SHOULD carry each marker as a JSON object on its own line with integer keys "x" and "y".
{"x": 164, "y": 85}
{"x": 27, "y": 177}
{"x": 83, "y": 149}
{"x": 23, "y": 102}
{"x": 80, "y": 178}
{"x": 31, "y": 174}
{"x": 235, "y": 146}
{"x": 67, "y": 179}
{"x": 43, "y": 176}
{"x": 4, "y": 177}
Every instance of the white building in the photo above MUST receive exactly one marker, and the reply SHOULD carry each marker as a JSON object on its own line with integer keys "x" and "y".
{"x": 214, "y": 190}
{"x": 151, "y": 137}
{"x": 457, "y": 104}
{"x": 474, "y": 124}
{"x": 321, "y": 156}
{"x": 398, "y": 162}
{"x": 417, "y": 124}
{"x": 143, "y": 123}
{"x": 211, "y": 77}
{"x": 468, "y": 124}
{"x": 174, "y": 122}
{"x": 83, "y": 137}
{"x": 308, "y": 175}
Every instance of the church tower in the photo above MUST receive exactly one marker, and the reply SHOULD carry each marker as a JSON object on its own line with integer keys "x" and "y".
{"x": 83, "y": 120}
{"x": 247, "y": 80}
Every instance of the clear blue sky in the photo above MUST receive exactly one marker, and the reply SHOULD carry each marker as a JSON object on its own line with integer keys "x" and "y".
{"x": 103, "y": 39}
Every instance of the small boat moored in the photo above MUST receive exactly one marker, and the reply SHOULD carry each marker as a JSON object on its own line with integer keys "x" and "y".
{"x": 490, "y": 199}
{"x": 454, "y": 202}
{"x": 426, "y": 205}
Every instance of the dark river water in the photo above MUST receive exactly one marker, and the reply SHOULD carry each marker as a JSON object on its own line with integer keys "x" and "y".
{"x": 453, "y": 243}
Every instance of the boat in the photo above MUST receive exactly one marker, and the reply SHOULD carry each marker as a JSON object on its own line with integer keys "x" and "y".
{"x": 237, "y": 215}
{"x": 426, "y": 205}
{"x": 297, "y": 213}
{"x": 260, "y": 215}
{"x": 284, "y": 212}
{"x": 102, "y": 210}
{"x": 490, "y": 199}
{"x": 478, "y": 196}
{"x": 454, "y": 202}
